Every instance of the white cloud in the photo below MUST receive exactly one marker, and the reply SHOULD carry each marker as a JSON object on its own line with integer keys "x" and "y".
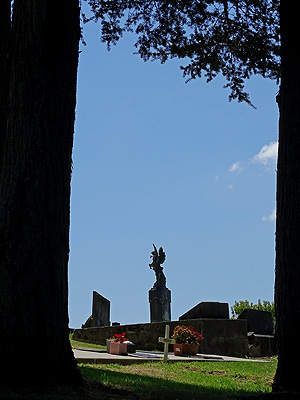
{"x": 236, "y": 166}
{"x": 267, "y": 153}
{"x": 271, "y": 217}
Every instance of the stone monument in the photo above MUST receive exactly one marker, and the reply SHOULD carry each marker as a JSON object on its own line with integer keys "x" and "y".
{"x": 207, "y": 309}
{"x": 258, "y": 321}
{"x": 100, "y": 312}
{"x": 159, "y": 294}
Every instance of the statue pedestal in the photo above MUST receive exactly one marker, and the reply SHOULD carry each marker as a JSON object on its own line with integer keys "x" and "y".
{"x": 160, "y": 304}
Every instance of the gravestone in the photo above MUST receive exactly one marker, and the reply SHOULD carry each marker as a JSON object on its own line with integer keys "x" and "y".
{"x": 159, "y": 294}
{"x": 100, "y": 310}
{"x": 207, "y": 309}
{"x": 258, "y": 321}
{"x": 166, "y": 341}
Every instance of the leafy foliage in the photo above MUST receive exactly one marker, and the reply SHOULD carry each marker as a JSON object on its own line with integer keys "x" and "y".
{"x": 237, "y": 38}
{"x": 240, "y": 306}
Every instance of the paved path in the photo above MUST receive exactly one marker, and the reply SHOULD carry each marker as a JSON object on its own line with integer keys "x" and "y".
{"x": 86, "y": 355}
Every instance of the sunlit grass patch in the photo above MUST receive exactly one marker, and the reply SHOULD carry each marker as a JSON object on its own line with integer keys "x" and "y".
{"x": 76, "y": 344}
{"x": 186, "y": 380}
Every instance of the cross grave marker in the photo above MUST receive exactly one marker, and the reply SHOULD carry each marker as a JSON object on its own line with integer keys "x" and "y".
{"x": 166, "y": 341}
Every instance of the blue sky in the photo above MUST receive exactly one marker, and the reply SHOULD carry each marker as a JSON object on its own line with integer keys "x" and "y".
{"x": 158, "y": 160}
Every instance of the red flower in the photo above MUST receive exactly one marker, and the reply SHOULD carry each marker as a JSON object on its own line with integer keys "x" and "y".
{"x": 120, "y": 337}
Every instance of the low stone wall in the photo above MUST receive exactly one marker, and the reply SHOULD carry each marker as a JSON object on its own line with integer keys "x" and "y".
{"x": 221, "y": 336}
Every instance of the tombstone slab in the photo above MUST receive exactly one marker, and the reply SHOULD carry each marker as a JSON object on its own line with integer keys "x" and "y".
{"x": 100, "y": 310}
{"x": 258, "y": 321}
{"x": 207, "y": 309}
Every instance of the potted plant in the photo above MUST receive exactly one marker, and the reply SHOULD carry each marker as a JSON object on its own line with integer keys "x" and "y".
{"x": 117, "y": 344}
{"x": 187, "y": 340}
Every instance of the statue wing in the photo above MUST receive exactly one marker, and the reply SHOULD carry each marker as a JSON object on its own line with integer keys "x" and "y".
{"x": 154, "y": 256}
{"x": 154, "y": 252}
{"x": 162, "y": 255}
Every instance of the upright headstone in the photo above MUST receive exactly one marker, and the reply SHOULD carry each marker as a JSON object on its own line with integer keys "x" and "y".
{"x": 159, "y": 294}
{"x": 207, "y": 309}
{"x": 100, "y": 310}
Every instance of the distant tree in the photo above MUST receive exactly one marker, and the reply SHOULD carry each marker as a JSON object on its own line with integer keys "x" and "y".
{"x": 236, "y": 38}
{"x": 38, "y": 69}
{"x": 240, "y": 306}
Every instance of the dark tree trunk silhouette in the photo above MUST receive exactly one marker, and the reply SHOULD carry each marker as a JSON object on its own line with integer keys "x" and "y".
{"x": 4, "y": 65}
{"x": 287, "y": 282}
{"x": 38, "y": 72}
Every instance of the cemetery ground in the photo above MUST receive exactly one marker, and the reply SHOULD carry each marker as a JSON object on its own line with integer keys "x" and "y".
{"x": 195, "y": 380}
{"x": 180, "y": 380}
{"x": 159, "y": 380}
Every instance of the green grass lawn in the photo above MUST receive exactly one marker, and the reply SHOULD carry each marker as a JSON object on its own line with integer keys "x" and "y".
{"x": 76, "y": 344}
{"x": 196, "y": 380}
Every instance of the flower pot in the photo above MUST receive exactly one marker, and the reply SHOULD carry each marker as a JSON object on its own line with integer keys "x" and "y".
{"x": 185, "y": 348}
{"x": 118, "y": 348}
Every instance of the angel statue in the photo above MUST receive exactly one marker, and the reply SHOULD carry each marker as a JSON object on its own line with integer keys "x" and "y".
{"x": 157, "y": 259}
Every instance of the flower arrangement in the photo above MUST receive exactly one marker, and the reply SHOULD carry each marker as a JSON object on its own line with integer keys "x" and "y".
{"x": 186, "y": 334}
{"x": 118, "y": 344}
{"x": 121, "y": 338}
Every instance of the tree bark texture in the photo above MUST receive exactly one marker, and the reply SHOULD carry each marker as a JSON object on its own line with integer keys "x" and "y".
{"x": 37, "y": 127}
{"x": 287, "y": 279}
{"x": 4, "y": 67}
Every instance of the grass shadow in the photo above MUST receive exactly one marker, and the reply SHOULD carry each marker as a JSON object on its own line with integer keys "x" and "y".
{"x": 147, "y": 387}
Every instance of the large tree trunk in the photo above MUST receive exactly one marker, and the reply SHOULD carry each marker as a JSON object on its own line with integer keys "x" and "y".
{"x": 287, "y": 282}
{"x": 4, "y": 68}
{"x": 35, "y": 190}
